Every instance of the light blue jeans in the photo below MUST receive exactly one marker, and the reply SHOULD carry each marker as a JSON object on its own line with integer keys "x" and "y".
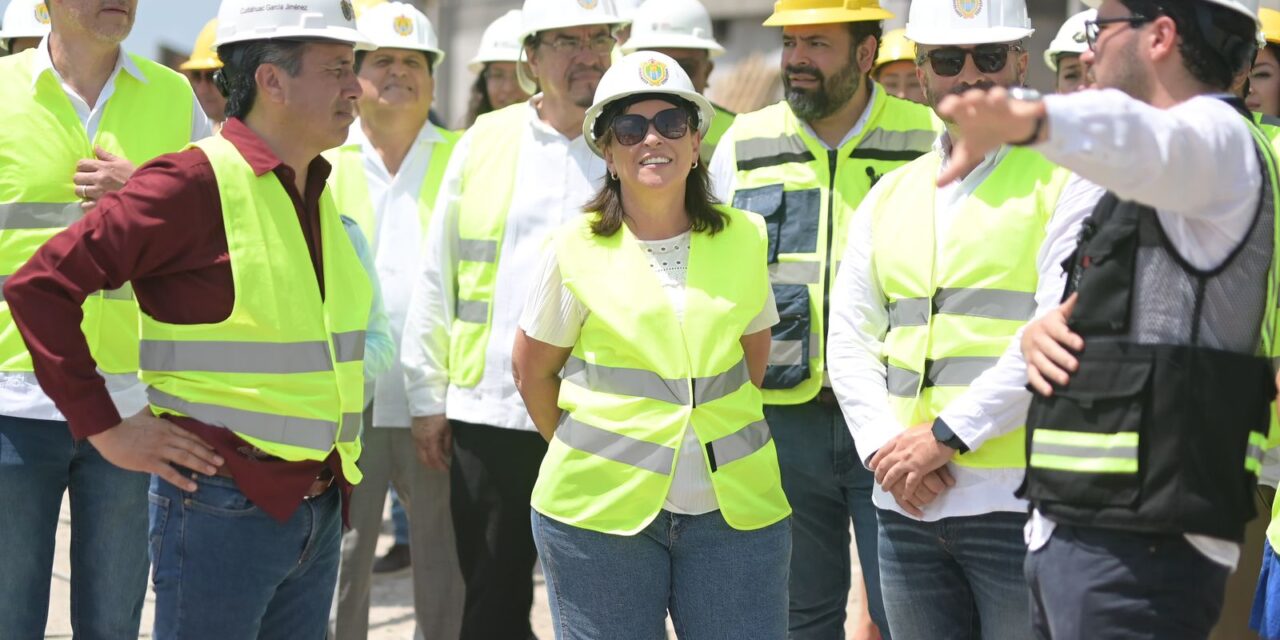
{"x": 39, "y": 460}
{"x": 225, "y": 570}
{"x": 716, "y": 582}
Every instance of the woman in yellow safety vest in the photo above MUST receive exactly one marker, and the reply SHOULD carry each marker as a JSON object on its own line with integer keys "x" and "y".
{"x": 639, "y": 356}
{"x": 1264, "y": 80}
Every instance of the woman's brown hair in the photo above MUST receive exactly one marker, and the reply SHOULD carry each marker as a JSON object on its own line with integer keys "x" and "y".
{"x": 699, "y": 202}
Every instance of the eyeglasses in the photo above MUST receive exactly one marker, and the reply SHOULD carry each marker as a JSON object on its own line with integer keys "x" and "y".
{"x": 1093, "y": 28}
{"x": 567, "y": 45}
{"x": 988, "y": 58}
{"x": 631, "y": 128}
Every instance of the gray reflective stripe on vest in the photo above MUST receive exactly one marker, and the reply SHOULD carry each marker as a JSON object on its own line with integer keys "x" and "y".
{"x": 739, "y": 444}
{"x": 944, "y": 372}
{"x": 473, "y": 311}
{"x": 795, "y": 273}
{"x": 1254, "y": 452}
{"x": 640, "y": 383}
{"x": 996, "y": 304}
{"x": 2, "y": 280}
{"x": 1125, "y": 451}
{"x": 39, "y": 215}
{"x": 123, "y": 293}
{"x": 786, "y": 353}
{"x": 615, "y": 447}
{"x": 286, "y": 430}
{"x": 477, "y": 250}
{"x": 351, "y": 428}
{"x": 236, "y": 357}
{"x": 757, "y": 153}
{"x": 348, "y": 346}
{"x": 890, "y": 146}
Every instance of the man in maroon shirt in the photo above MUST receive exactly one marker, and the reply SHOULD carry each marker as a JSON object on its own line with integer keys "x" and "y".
{"x": 244, "y": 544}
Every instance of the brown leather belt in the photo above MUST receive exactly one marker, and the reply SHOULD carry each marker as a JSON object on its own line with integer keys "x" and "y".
{"x": 826, "y": 397}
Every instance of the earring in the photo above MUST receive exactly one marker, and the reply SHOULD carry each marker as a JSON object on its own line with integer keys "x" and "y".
{"x": 695, "y": 163}
{"x": 613, "y": 176}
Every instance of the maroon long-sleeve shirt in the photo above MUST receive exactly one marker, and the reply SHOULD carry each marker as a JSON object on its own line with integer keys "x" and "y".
{"x": 164, "y": 233}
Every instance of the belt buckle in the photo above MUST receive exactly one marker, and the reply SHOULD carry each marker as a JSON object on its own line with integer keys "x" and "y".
{"x": 313, "y": 492}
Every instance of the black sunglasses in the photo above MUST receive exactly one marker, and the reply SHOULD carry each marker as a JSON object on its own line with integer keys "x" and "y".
{"x": 1093, "y": 28}
{"x": 631, "y": 128}
{"x": 988, "y": 58}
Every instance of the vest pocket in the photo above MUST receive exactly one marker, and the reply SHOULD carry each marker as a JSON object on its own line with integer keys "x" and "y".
{"x": 789, "y": 352}
{"x": 1084, "y": 443}
{"x": 767, "y": 202}
{"x": 790, "y": 217}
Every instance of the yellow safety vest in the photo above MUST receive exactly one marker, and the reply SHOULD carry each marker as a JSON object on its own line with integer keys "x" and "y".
{"x": 350, "y": 186}
{"x": 40, "y": 145}
{"x": 639, "y": 376}
{"x": 807, "y": 194}
{"x": 488, "y": 178}
{"x": 719, "y": 125}
{"x": 955, "y": 303}
{"x": 1269, "y": 126}
{"x": 285, "y": 370}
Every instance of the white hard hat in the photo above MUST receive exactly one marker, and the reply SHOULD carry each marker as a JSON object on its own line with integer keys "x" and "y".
{"x": 627, "y": 9}
{"x": 672, "y": 24}
{"x": 644, "y": 72}
{"x": 1070, "y": 38}
{"x": 24, "y": 19}
{"x": 246, "y": 20}
{"x": 398, "y": 25}
{"x": 500, "y": 42}
{"x": 1247, "y": 7}
{"x": 964, "y": 22}
{"x": 544, "y": 15}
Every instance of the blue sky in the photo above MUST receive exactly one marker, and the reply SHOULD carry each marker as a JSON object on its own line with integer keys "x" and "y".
{"x": 171, "y": 22}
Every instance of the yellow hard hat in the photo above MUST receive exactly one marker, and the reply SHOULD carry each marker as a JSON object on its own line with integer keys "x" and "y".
{"x": 895, "y": 47}
{"x": 203, "y": 54}
{"x": 800, "y": 12}
{"x": 364, "y": 5}
{"x": 1270, "y": 19}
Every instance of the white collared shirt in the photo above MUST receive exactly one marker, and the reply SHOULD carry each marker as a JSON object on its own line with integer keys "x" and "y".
{"x": 397, "y": 244}
{"x": 555, "y": 176}
{"x": 20, "y": 392}
{"x": 997, "y": 401}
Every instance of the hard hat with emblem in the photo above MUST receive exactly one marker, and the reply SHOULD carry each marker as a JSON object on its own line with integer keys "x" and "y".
{"x": 643, "y": 72}
{"x": 248, "y": 20}
{"x": 788, "y": 13}
{"x": 1270, "y": 19}
{"x": 24, "y": 19}
{"x": 204, "y": 56}
{"x": 672, "y": 24}
{"x": 895, "y": 47}
{"x": 1070, "y": 38}
{"x": 545, "y": 15}
{"x": 399, "y": 25}
{"x": 964, "y": 22}
{"x": 500, "y": 42}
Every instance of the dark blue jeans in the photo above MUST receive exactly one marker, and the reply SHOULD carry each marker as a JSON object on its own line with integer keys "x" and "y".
{"x": 716, "y": 582}
{"x": 828, "y": 487}
{"x": 956, "y": 578}
{"x": 39, "y": 461}
{"x": 225, "y": 570}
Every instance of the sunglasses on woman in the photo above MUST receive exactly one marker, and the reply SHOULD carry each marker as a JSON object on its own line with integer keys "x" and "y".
{"x": 988, "y": 58}
{"x": 631, "y": 128}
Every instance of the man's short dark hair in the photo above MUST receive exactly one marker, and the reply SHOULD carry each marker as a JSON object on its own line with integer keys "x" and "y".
{"x": 240, "y": 62}
{"x": 1216, "y": 43}
{"x": 862, "y": 30}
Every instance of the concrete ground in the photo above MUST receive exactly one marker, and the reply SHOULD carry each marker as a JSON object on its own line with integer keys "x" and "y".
{"x": 391, "y": 616}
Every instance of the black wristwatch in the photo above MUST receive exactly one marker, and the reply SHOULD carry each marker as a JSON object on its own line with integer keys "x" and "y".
{"x": 942, "y": 433}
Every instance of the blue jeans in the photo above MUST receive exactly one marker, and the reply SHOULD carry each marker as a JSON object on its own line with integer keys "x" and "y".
{"x": 716, "y": 581}
{"x": 399, "y": 519}
{"x": 956, "y": 578}
{"x": 827, "y": 487}
{"x": 225, "y": 570}
{"x": 39, "y": 461}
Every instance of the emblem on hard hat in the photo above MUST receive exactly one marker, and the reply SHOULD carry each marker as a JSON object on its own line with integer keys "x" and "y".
{"x": 654, "y": 73}
{"x": 42, "y": 13}
{"x": 348, "y": 11}
{"x": 1080, "y": 37}
{"x": 588, "y": 4}
{"x": 403, "y": 26}
{"x": 968, "y": 9}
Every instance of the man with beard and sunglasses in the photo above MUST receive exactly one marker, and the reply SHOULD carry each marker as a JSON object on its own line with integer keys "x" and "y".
{"x": 934, "y": 285}
{"x": 805, "y": 164}
{"x": 1152, "y": 379}
{"x": 79, "y": 113}
{"x": 514, "y": 177}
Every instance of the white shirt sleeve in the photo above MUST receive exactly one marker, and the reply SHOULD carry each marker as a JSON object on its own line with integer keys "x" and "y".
{"x": 1207, "y": 186}
{"x": 724, "y": 169}
{"x": 996, "y": 402}
{"x": 552, "y": 314}
{"x": 855, "y": 340}
{"x": 379, "y": 345}
{"x": 201, "y": 127}
{"x": 424, "y": 350}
